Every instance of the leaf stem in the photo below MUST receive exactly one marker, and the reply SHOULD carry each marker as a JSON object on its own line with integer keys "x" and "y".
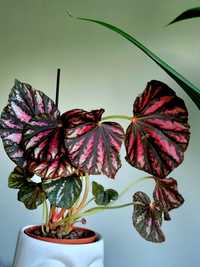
{"x": 85, "y": 195}
{"x": 89, "y": 201}
{"x": 121, "y": 117}
{"x": 133, "y": 183}
{"x": 95, "y": 210}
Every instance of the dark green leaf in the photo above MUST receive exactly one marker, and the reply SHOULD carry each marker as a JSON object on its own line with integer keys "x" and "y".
{"x": 188, "y": 14}
{"x": 97, "y": 188}
{"x": 63, "y": 192}
{"x": 18, "y": 178}
{"x": 147, "y": 218}
{"x": 103, "y": 197}
{"x": 186, "y": 85}
{"x": 32, "y": 195}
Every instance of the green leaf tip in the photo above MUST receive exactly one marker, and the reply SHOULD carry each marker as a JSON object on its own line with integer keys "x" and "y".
{"x": 188, "y": 14}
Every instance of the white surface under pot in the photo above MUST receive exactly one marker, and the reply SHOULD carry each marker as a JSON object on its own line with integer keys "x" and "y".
{"x": 31, "y": 252}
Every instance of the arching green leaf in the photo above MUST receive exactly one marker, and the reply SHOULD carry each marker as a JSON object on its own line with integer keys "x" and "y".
{"x": 192, "y": 91}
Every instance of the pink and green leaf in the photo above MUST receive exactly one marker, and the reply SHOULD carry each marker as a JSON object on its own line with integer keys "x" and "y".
{"x": 94, "y": 147}
{"x": 159, "y": 132}
{"x": 54, "y": 169}
{"x": 24, "y": 103}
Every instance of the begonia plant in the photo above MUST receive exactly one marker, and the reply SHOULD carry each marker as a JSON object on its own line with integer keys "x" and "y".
{"x": 66, "y": 149}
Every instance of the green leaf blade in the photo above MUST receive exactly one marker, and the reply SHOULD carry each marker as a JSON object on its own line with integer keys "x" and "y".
{"x": 32, "y": 195}
{"x": 101, "y": 196}
{"x": 18, "y": 178}
{"x": 63, "y": 192}
{"x": 188, "y": 14}
{"x": 192, "y": 91}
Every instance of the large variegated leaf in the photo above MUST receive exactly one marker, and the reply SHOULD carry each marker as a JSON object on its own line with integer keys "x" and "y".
{"x": 32, "y": 195}
{"x": 24, "y": 103}
{"x": 147, "y": 218}
{"x": 102, "y": 196}
{"x": 64, "y": 192}
{"x": 19, "y": 177}
{"x": 94, "y": 147}
{"x": 159, "y": 132}
{"x": 44, "y": 142}
{"x": 166, "y": 193}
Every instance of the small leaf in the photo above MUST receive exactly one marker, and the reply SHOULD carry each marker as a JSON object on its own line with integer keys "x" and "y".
{"x": 64, "y": 192}
{"x": 166, "y": 193}
{"x": 93, "y": 147}
{"x": 97, "y": 188}
{"x": 32, "y": 195}
{"x": 190, "y": 89}
{"x": 19, "y": 177}
{"x": 103, "y": 197}
{"x": 188, "y": 14}
{"x": 147, "y": 218}
{"x": 159, "y": 132}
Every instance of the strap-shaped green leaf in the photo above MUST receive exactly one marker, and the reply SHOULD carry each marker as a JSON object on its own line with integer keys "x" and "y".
{"x": 192, "y": 91}
{"x": 188, "y": 14}
{"x": 63, "y": 192}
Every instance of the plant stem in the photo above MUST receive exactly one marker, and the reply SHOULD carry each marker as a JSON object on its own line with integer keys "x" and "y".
{"x": 57, "y": 86}
{"x": 85, "y": 195}
{"x": 89, "y": 201}
{"x": 121, "y": 117}
{"x": 46, "y": 211}
{"x": 133, "y": 183}
{"x": 109, "y": 206}
{"x": 95, "y": 210}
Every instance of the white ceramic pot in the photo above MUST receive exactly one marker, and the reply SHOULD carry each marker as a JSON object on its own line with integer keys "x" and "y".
{"x": 31, "y": 252}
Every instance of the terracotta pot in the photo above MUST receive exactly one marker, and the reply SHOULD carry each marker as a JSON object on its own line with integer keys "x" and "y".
{"x": 85, "y": 240}
{"x": 34, "y": 251}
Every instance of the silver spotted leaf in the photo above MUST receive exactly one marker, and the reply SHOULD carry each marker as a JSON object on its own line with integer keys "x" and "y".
{"x": 64, "y": 192}
{"x": 167, "y": 195}
{"x": 159, "y": 132}
{"x": 147, "y": 218}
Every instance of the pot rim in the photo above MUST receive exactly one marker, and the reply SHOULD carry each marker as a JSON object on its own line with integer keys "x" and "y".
{"x": 81, "y": 241}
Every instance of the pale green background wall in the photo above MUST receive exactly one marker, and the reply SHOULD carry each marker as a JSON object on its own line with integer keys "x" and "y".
{"x": 99, "y": 69}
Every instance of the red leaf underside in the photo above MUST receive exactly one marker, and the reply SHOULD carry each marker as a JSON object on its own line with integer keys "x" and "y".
{"x": 159, "y": 133}
{"x": 166, "y": 193}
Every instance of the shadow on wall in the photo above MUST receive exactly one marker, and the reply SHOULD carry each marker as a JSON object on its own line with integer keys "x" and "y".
{"x": 4, "y": 264}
